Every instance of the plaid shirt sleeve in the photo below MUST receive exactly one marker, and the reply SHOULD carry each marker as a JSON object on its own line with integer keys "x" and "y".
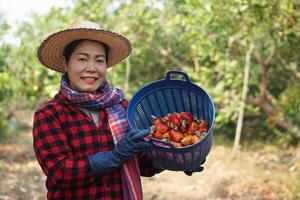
{"x": 55, "y": 155}
{"x": 145, "y": 165}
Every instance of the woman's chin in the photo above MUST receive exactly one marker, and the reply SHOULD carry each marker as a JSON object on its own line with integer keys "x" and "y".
{"x": 87, "y": 89}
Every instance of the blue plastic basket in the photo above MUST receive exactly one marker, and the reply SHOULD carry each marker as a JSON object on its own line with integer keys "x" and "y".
{"x": 169, "y": 95}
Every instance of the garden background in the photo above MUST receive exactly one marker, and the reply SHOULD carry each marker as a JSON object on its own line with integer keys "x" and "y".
{"x": 245, "y": 53}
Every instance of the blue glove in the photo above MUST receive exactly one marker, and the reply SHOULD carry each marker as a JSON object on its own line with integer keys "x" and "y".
{"x": 131, "y": 144}
{"x": 199, "y": 169}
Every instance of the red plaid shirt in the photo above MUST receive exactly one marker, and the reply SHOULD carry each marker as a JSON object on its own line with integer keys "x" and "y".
{"x": 63, "y": 137}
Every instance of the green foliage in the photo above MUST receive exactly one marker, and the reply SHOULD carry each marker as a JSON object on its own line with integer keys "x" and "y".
{"x": 5, "y": 76}
{"x": 4, "y": 132}
{"x": 289, "y": 102}
{"x": 175, "y": 35}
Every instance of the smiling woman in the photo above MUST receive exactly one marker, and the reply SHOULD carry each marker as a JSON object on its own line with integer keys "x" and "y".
{"x": 81, "y": 137}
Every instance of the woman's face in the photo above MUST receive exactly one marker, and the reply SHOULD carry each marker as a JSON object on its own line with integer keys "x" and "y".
{"x": 87, "y": 67}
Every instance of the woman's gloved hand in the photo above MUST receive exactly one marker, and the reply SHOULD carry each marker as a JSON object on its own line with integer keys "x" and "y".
{"x": 131, "y": 144}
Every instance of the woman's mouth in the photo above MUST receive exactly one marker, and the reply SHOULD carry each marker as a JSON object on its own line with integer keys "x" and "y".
{"x": 89, "y": 79}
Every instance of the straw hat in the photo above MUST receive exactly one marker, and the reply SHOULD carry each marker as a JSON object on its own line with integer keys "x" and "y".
{"x": 50, "y": 53}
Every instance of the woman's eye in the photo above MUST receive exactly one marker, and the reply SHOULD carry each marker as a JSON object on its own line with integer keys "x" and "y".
{"x": 100, "y": 61}
{"x": 82, "y": 59}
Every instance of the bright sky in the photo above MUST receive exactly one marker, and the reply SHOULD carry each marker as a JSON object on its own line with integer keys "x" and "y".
{"x": 19, "y": 10}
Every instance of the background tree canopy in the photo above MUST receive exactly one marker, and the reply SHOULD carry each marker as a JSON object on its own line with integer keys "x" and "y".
{"x": 207, "y": 39}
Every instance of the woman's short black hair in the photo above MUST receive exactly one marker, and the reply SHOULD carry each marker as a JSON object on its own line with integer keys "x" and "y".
{"x": 72, "y": 46}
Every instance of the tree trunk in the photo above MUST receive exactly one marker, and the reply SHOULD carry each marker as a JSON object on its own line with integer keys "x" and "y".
{"x": 243, "y": 100}
{"x": 196, "y": 65}
{"x": 127, "y": 75}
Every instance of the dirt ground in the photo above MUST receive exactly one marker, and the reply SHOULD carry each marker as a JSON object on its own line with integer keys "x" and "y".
{"x": 259, "y": 175}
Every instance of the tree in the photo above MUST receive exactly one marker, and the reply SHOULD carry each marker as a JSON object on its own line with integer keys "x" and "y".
{"x": 6, "y": 78}
{"x": 230, "y": 28}
{"x": 215, "y": 36}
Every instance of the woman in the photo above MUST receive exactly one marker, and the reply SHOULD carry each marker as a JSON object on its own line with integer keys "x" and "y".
{"x": 81, "y": 137}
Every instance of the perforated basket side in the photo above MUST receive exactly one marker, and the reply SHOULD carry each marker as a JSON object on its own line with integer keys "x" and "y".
{"x": 181, "y": 159}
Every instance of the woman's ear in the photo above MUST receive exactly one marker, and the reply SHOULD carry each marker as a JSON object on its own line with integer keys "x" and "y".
{"x": 65, "y": 64}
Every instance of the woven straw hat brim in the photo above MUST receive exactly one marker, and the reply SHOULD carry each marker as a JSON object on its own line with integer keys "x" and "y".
{"x": 50, "y": 52}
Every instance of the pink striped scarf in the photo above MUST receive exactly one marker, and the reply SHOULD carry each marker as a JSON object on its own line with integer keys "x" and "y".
{"x": 109, "y": 98}
{"x": 132, "y": 188}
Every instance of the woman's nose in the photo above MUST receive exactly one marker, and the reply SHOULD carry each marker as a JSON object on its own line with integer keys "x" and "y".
{"x": 91, "y": 67}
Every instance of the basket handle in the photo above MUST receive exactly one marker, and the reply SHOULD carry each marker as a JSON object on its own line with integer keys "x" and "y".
{"x": 168, "y": 77}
